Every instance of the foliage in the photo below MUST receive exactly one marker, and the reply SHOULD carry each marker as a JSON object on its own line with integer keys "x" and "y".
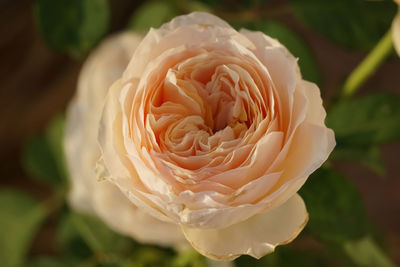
{"x": 374, "y": 120}
{"x": 72, "y": 26}
{"x": 43, "y": 156}
{"x": 20, "y": 218}
{"x": 357, "y": 24}
{"x": 336, "y": 212}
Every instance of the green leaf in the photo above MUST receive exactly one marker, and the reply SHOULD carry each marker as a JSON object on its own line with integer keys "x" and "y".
{"x": 191, "y": 6}
{"x": 45, "y": 261}
{"x": 189, "y": 258}
{"x": 38, "y": 161}
{"x": 365, "y": 253}
{"x": 336, "y": 211}
{"x": 282, "y": 257}
{"x": 152, "y": 14}
{"x": 364, "y": 121}
{"x": 96, "y": 235}
{"x": 370, "y": 157}
{"x": 20, "y": 218}
{"x": 70, "y": 240}
{"x": 72, "y": 26}
{"x": 43, "y": 156}
{"x": 55, "y": 138}
{"x": 356, "y": 24}
{"x": 294, "y": 43}
{"x": 151, "y": 256}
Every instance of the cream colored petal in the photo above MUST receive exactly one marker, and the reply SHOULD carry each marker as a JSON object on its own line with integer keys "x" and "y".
{"x": 114, "y": 155}
{"x": 316, "y": 113}
{"x": 311, "y": 146}
{"x": 195, "y": 29}
{"x": 79, "y": 195}
{"x": 201, "y": 18}
{"x": 103, "y": 66}
{"x": 257, "y": 236}
{"x": 124, "y": 217}
{"x": 87, "y": 193}
{"x": 281, "y": 65}
{"x": 396, "y": 32}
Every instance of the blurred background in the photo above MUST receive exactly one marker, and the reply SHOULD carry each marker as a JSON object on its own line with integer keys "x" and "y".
{"x": 39, "y": 71}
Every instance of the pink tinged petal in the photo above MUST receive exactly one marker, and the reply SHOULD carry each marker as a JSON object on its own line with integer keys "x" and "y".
{"x": 157, "y": 41}
{"x": 281, "y": 65}
{"x": 310, "y": 148}
{"x": 396, "y": 32}
{"x": 263, "y": 155}
{"x": 316, "y": 113}
{"x": 256, "y": 236}
{"x": 201, "y": 18}
{"x": 113, "y": 156}
{"x": 195, "y": 33}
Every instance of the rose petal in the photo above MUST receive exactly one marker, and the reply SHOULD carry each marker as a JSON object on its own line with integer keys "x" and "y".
{"x": 103, "y": 66}
{"x": 256, "y": 236}
{"x": 124, "y": 217}
{"x": 124, "y": 174}
{"x": 396, "y": 32}
{"x": 191, "y": 28}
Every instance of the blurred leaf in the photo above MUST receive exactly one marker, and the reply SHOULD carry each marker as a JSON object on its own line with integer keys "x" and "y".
{"x": 55, "y": 138}
{"x": 191, "y": 6}
{"x": 367, "y": 120}
{"x": 213, "y": 3}
{"x": 190, "y": 258}
{"x": 151, "y": 256}
{"x": 45, "y": 261}
{"x": 43, "y": 156}
{"x": 85, "y": 238}
{"x": 336, "y": 211}
{"x": 282, "y": 257}
{"x": 229, "y": 5}
{"x": 152, "y": 14}
{"x": 70, "y": 241}
{"x": 38, "y": 161}
{"x": 294, "y": 43}
{"x": 20, "y": 218}
{"x": 97, "y": 235}
{"x": 370, "y": 157}
{"x": 72, "y": 26}
{"x": 355, "y": 24}
{"x": 364, "y": 252}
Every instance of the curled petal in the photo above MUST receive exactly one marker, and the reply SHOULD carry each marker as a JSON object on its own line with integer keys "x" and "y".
{"x": 257, "y": 236}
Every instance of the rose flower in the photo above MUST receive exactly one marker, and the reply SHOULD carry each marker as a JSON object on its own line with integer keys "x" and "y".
{"x": 207, "y": 134}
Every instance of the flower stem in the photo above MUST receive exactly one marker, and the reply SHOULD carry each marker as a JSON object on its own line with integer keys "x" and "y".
{"x": 368, "y": 65}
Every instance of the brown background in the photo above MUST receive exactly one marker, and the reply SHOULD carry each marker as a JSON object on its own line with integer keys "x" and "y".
{"x": 36, "y": 83}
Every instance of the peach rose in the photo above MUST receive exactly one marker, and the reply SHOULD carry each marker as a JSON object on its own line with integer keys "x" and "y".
{"x": 396, "y": 30}
{"x": 87, "y": 194}
{"x": 210, "y": 131}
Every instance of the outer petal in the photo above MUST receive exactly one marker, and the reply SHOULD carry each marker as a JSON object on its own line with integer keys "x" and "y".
{"x": 396, "y": 32}
{"x": 100, "y": 70}
{"x": 171, "y": 35}
{"x": 88, "y": 194}
{"x": 124, "y": 217}
{"x": 256, "y": 236}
